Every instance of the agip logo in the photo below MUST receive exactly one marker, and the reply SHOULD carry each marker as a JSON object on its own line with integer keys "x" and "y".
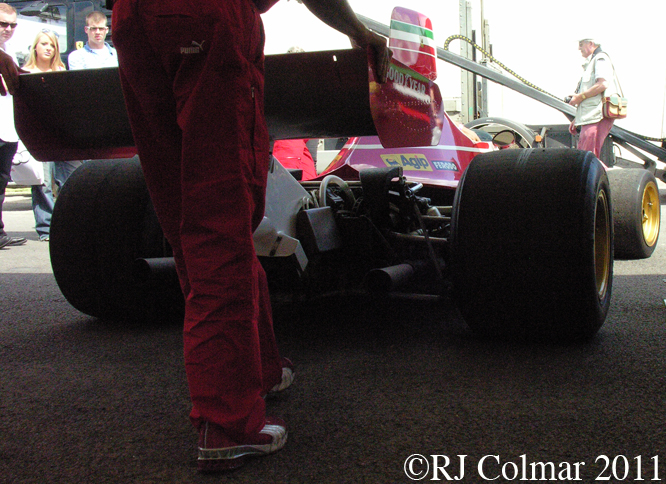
{"x": 415, "y": 162}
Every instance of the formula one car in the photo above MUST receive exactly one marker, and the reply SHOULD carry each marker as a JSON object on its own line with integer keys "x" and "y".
{"x": 521, "y": 238}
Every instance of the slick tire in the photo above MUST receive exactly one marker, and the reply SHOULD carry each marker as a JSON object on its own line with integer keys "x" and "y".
{"x": 532, "y": 244}
{"x": 636, "y": 212}
{"x": 102, "y": 221}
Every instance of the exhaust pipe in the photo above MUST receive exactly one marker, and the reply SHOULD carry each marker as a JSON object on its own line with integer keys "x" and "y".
{"x": 388, "y": 278}
{"x": 155, "y": 270}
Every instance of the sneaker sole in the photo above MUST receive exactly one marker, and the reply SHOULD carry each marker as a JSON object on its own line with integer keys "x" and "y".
{"x": 287, "y": 379}
{"x": 230, "y": 458}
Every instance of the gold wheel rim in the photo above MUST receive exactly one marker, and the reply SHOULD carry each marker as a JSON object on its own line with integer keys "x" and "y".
{"x": 602, "y": 244}
{"x": 651, "y": 214}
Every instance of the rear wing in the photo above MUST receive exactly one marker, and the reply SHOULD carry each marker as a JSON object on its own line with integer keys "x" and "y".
{"x": 79, "y": 115}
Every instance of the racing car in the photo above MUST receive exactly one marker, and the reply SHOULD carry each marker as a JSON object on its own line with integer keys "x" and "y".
{"x": 521, "y": 238}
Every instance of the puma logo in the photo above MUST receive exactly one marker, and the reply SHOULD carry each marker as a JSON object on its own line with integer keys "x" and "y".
{"x": 196, "y": 48}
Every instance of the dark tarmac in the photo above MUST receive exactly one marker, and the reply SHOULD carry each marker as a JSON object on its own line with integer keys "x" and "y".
{"x": 83, "y": 400}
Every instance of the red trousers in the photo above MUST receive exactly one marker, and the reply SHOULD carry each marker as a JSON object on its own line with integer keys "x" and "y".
{"x": 592, "y": 136}
{"x": 293, "y": 153}
{"x": 192, "y": 75}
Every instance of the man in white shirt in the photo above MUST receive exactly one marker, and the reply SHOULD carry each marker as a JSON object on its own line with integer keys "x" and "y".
{"x": 597, "y": 76}
{"x": 8, "y": 136}
{"x": 97, "y": 52}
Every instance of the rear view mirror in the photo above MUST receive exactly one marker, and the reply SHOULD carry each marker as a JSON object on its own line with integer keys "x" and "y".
{"x": 504, "y": 139}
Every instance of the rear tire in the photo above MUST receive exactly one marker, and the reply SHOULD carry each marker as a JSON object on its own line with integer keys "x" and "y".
{"x": 531, "y": 247}
{"x": 102, "y": 221}
{"x": 636, "y": 212}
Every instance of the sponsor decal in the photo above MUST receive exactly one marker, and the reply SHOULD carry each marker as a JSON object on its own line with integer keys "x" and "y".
{"x": 444, "y": 165}
{"x": 409, "y": 162}
{"x": 406, "y": 80}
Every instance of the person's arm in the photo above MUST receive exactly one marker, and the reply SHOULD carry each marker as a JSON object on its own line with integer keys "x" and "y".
{"x": 10, "y": 74}
{"x": 339, "y": 15}
{"x": 599, "y": 87}
{"x": 469, "y": 133}
{"x": 602, "y": 72}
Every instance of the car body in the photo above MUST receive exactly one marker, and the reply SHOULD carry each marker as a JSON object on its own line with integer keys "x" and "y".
{"x": 522, "y": 239}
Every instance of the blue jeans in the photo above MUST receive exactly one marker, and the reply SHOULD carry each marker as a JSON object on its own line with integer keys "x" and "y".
{"x": 7, "y": 152}
{"x": 62, "y": 171}
{"x": 42, "y": 204}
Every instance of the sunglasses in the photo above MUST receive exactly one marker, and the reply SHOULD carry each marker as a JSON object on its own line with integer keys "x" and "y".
{"x": 47, "y": 31}
{"x": 5, "y": 25}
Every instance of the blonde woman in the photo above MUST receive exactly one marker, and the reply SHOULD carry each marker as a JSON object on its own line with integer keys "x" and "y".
{"x": 44, "y": 57}
{"x": 45, "y": 53}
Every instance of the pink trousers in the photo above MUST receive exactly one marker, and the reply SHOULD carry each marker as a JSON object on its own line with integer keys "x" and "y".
{"x": 192, "y": 75}
{"x": 592, "y": 136}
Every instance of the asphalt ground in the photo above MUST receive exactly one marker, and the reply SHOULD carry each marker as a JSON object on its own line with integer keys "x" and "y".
{"x": 84, "y": 400}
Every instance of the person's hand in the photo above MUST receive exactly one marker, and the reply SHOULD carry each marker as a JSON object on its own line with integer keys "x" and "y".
{"x": 383, "y": 56}
{"x": 10, "y": 74}
{"x": 572, "y": 128}
{"x": 576, "y": 99}
{"x": 381, "y": 51}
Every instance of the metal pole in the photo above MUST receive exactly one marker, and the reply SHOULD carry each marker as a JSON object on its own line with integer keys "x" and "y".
{"x": 483, "y": 29}
{"x": 467, "y": 87}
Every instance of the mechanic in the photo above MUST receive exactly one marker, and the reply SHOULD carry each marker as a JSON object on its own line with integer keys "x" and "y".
{"x": 193, "y": 78}
{"x": 294, "y": 154}
{"x": 8, "y": 136}
{"x": 97, "y": 52}
{"x": 597, "y": 72}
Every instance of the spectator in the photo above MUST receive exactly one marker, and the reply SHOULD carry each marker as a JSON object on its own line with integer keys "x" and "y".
{"x": 597, "y": 74}
{"x": 8, "y": 136}
{"x": 97, "y": 52}
{"x": 44, "y": 57}
{"x": 45, "y": 53}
